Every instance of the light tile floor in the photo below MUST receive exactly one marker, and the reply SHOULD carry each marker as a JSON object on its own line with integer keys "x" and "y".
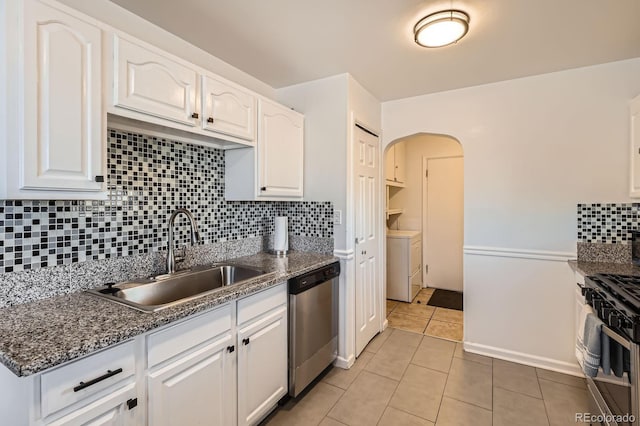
{"x": 422, "y": 318}
{"x": 406, "y": 378}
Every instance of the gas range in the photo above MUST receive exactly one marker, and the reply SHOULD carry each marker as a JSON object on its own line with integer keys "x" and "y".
{"x": 616, "y": 301}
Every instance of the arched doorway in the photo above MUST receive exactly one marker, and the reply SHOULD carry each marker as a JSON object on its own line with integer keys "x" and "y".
{"x": 424, "y": 218}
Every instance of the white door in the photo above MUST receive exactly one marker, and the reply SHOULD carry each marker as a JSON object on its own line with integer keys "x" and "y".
{"x": 368, "y": 282}
{"x": 443, "y": 222}
{"x": 280, "y": 151}
{"x": 63, "y": 130}
{"x": 196, "y": 389}
{"x": 151, "y": 83}
{"x": 228, "y": 109}
{"x": 262, "y": 366}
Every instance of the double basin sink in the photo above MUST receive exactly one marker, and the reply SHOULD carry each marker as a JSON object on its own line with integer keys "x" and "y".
{"x": 163, "y": 291}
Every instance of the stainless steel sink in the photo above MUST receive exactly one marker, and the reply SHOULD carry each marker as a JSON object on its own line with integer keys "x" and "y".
{"x": 154, "y": 294}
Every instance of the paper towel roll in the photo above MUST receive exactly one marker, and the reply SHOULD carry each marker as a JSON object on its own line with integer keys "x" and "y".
{"x": 281, "y": 234}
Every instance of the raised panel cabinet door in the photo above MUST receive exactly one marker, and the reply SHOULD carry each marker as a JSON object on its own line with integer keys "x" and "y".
{"x": 120, "y": 408}
{"x": 280, "y": 151}
{"x": 262, "y": 366}
{"x": 150, "y": 83}
{"x": 228, "y": 109}
{"x": 63, "y": 121}
{"x": 390, "y": 164}
{"x": 399, "y": 159}
{"x": 196, "y": 389}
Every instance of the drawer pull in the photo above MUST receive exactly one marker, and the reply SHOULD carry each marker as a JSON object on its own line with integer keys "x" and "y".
{"x": 245, "y": 341}
{"x": 105, "y": 376}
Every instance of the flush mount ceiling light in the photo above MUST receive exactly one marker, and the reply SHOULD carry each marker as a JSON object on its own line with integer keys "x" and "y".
{"x": 441, "y": 28}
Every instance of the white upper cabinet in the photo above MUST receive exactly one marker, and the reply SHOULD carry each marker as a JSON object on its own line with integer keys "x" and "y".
{"x": 55, "y": 135}
{"x": 280, "y": 151}
{"x": 274, "y": 170}
{"x": 228, "y": 109}
{"x": 394, "y": 164}
{"x": 635, "y": 147}
{"x": 150, "y": 82}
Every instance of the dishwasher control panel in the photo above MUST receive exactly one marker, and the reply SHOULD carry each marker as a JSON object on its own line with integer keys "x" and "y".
{"x": 311, "y": 279}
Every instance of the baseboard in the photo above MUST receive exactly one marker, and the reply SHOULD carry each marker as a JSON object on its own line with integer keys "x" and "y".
{"x": 346, "y": 364}
{"x": 385, "y": 324}
{"x": 572, "y": 369}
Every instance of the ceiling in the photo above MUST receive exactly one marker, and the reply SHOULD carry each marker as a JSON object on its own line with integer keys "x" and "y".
{"x": 285, "y": 42}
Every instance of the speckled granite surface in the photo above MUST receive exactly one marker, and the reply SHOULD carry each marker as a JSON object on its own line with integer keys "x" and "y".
{"x": 41, "y": 283}
{"x": 591, "y": 268}
{"x": 604, "y": 252}
{"x": 39, "y": 335}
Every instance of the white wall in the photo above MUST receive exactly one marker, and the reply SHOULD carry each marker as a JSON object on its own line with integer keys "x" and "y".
{"x": 534, "y": 148}
{"x": 121, "y": 19}
{"x": 324, "y": 104}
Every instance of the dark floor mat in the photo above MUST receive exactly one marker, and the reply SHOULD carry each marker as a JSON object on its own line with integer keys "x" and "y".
{"x": 446, "y": 299}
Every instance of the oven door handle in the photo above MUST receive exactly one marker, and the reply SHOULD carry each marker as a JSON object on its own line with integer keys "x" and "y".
{"x": 615, "y": 336}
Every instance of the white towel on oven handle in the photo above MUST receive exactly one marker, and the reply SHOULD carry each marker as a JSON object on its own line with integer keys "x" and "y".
{"x": 588, "y": 349}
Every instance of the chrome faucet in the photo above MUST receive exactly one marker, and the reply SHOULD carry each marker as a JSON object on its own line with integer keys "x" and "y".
{"x": 195, "y": 237}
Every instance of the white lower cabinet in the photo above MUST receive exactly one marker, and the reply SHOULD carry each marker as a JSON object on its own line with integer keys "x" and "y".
{"x": 226, "y": 366}
{"x": 262, "y": 365}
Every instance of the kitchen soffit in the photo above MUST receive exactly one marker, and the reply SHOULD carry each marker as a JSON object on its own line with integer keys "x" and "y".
{"x": 285, "y": 42}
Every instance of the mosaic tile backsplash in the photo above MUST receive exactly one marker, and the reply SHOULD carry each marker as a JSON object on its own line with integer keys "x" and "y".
{"x": 608, "y": 223}
{"x": 148, "y": 178}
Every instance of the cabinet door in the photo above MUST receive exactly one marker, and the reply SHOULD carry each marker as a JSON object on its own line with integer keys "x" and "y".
{"x": 112, "y": 410}
{"x": 196, "y": 389}
{"x": 154, "y": 84}
{"x": 399, "y": 160}
{"x": 280, "y": 151}
{"x": 262, "y": 366}
{"x": 389, "y": 164}
{"x": 63, "y": 122}
{"x": 228, "y": 109}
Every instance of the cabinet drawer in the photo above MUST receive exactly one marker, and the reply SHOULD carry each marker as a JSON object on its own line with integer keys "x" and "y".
{"x": 256, "y": 305}
{"x": 110, "y": 410}
{"x": 169, "y": 342}
{"x": 73, "y": 382}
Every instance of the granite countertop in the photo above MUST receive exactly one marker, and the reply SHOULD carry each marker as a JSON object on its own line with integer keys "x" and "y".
{"x": 591, "y": 268}
{"x": 39, "y": 335}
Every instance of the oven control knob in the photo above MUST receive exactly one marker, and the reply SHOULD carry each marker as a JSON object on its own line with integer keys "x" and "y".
{"x": 615, "y": 321}
{"x": 597, "y": 303}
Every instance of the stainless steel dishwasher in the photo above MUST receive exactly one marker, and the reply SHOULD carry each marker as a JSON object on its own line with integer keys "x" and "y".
{"x": 313, "y": 325}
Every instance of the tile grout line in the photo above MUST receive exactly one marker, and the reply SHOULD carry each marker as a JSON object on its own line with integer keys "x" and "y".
{"x": 546, "y": 411}
{"x": 445, "y": 385}
{"x": 398, "y": 385}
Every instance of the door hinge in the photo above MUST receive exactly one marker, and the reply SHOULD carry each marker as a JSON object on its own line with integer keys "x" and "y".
{"x": 426, "y": 173}
{"x": 426, "y": 269}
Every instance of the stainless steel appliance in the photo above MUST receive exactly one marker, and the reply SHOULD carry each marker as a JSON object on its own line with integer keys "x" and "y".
{"x": 614, "y": 398}
{"x": 313, "y": 325}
